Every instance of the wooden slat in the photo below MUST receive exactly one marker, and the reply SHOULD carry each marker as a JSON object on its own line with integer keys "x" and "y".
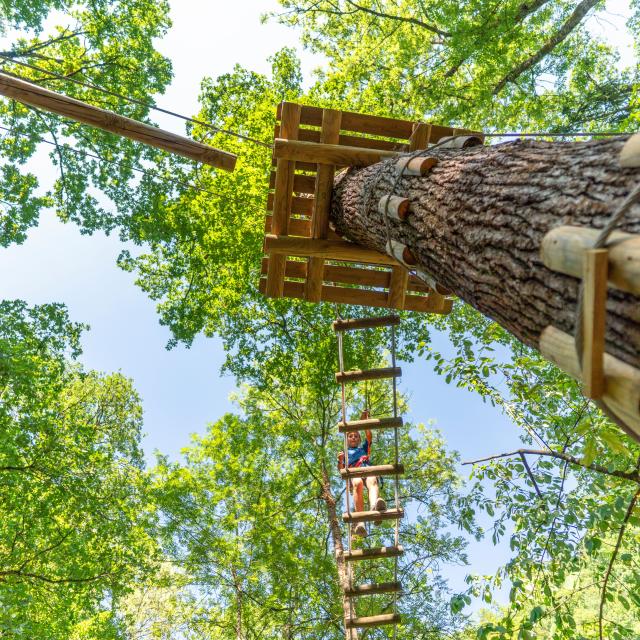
{"x": 343, "y": 295}
{"x": 343, "y": 274}
{"x": 297, "y": 227}
{"x": 373, "y": 621}
{"x": 299, "y": 205}
{"x": 420, "y": 136}
{"x": 398, "y": 288}
{"x": 594, "y": 315}
{"x": 373, "y": 589}
{"x": 36, "y": 96}
{"x": 301, "y": 183}
{"x": 328, "y": 249}
{"x": 320, "y": 219}
{"x": 300, "y": 166}
{"x": 358, "y": 375}
{"x": 373, "y": 553}
{"x": 312, "y": 135}
{"x": 374, "y": 470}
{"x": 373, "y": 516}
{"x": 335, "y": 154}
{"x": 366, "y": 323}
{"x": 370, "y": 424}
{"x": 284, "y": 179}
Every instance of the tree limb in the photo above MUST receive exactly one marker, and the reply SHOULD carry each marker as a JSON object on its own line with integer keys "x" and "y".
{"x": 570, "y": 24}
{"x": 633, "y": 476}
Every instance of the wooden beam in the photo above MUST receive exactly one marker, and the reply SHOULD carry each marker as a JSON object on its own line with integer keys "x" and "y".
{"x": 622, "y": 381}
{"x": 366, "y": 323}
{"x": 594, "y": 314}
{"x": 42, "y": 98}
{"x": 328, "y": 249}
{"x": 374, "y": 553}
{"x": 371, "y": 424}
{"x": 334, "y": 154}
{"x": 375, "y": 470}
{"x": 563, "y": 247}
{"x": 358, "y": 375}
{"x": 374, "y": 621}
{"x": 373, "y": 589}
{"x": 373, "y": 516}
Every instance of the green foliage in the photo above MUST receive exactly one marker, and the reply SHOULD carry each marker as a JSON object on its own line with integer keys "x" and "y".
{"x": 74, "y": 528}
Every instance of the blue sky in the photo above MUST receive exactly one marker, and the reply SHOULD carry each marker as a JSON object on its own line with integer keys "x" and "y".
{"x": 182, "y": 389}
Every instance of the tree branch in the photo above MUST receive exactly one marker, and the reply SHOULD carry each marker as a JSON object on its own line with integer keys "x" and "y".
{"x": 633, "y": 476}
{"x": 570, "y": 24}
{"x": 614, "y": 555}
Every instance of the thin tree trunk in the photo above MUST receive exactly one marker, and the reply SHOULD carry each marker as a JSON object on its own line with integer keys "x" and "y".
{"x": 338, "y": 548}
{"x": 478, "y": 219}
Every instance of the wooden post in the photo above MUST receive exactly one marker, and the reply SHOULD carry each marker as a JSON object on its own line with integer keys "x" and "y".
{"x": 593, "y": 321}
{"x": 79, "y": 111}
{"x": 289, "y": 125}
{"x": 329, "y": 134}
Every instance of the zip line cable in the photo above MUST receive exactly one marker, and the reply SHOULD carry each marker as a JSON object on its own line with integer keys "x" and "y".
{"x": 142, "y": 103}
{"x": 146, "y": 172}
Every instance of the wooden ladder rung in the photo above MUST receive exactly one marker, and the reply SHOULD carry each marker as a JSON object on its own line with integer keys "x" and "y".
{"x": 370, "y": 423}
{"x": 375, "y": 470}
{"x": 366, "y": 323}
{"x": 358, "y": 375}
{"x": 373, "y": 589}
{"x": 373, "y": 621}
{"x": 373, "y": 516}
{"x": 373, "y": 553}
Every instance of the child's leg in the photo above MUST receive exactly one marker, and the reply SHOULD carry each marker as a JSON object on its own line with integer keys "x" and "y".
{"x": 358, "y": 494}
{"x": 375, "y": 502}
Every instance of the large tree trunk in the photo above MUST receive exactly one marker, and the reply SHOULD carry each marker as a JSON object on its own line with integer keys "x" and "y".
{"x": 478, "y": 219}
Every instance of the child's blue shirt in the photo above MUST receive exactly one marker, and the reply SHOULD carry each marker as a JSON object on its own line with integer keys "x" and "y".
{"x": 355, "y": 453}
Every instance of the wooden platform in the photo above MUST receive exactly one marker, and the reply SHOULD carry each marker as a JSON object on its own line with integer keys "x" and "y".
{"x": 305, "y": 258}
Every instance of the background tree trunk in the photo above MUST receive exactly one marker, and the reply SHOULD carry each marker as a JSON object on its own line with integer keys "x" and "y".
{"x": 478, "y": 219}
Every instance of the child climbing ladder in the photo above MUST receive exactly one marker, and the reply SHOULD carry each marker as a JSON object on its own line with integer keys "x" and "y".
{"x": 359, "y": 456}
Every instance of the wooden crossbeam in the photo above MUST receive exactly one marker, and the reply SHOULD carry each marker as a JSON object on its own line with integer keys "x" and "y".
{"x": 37, "y": 96}
{"x": 373, "y": 589}
{"x": 366, "y": 323}
{"x": 373, "y": 621}
{"x": 359, "y": 375}
{"x": 374, "y": 470}
{"x": 371, "y": 424}
{"x": 373, "y": 516}
{"x": 335, "y": 154}
{"x": 373, "y": 553}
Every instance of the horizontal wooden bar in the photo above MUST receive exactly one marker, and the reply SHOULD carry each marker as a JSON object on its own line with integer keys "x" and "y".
{"x": 299, "y": 205}
{"x": 563, "y": 247}
{"x": 373, "y": 470}
{"x": 343, "y": 295}
{"x": 328, "y": 249}
{"x": 63, "y": 105}
{"x": 373, "y": 516}
{"x": 372, "y": 424}
{"x": 622, "y": 381}
{"x": 373, "y": 589}
{"x": 366, "y": 323}
{"x": 335, "y": 154}
{"x": 373, "y": 621}
{"x": 373, "y": 553}
{"x": 297, "y": 227}
{"x": 358, "y": 375}
{"x": 312, "y": 135}
{"x": 301, "y": 166}
{"x": 301, "y": 183}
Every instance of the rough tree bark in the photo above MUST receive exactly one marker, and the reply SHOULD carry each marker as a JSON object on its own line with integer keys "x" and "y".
{"x": 478, "y": 219}
{"x": 338, "y": 547}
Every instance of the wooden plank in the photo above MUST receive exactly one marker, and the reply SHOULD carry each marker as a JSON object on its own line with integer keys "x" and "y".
{"x": 301, "y": 183}
{"x": 562, "y": 249}
{"x": 328, "y": 249}
{"x": 373, "y": 553}
{"x": 622, "y": 381}
{"x": 420, "y": 135}
{"x": 63, "y": 105}
{"x": 372, "y": 424}
{"x": 373, "y": 621}
{"x": 329, "y": 135}
{"x": 594, "y": 315}
{"x": 313, "y": 135}
{"x": 343, "y": 295}
{"x": 373, "y": 589}
{"x": 366, "y": 323}
{"x": 299, "y": 205}
{"x": 298, "y": 227}
{"x": 325, "y": 153}
{"x": 374, "y": 470}
{"x": 358, "y": 375}
{"x": 301, "y": 166}
{"x": 397, "y": 288}
{"x": 282, "y": 200}
{"x": 373, "y": 516}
